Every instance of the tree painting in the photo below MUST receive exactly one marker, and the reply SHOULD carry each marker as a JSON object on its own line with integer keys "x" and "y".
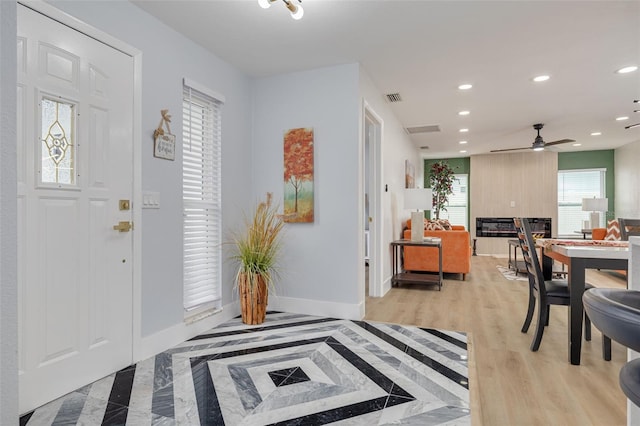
{"x": 298, "y": 175}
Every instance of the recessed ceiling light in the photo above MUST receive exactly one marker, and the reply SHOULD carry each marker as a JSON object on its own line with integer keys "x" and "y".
{"x": 577, "y": 144}
{"x": 596, "y": 133}
{"x": 622, "y": 118}
{"x": 462, "y": 151}
{"x": 462, "y": 142}
{"x": 465, "y": 86}
{"x": 464, "y": 130}
{"x": 463, "y": 113}
{"x": 540, "y": 78}
{"x": 625, "y": 70}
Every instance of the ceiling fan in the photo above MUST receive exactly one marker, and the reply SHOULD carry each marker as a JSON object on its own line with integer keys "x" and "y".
{"x": 538, "y": 144}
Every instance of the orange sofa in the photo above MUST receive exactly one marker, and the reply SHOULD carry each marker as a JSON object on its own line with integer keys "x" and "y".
{"x": 456, "y": 252}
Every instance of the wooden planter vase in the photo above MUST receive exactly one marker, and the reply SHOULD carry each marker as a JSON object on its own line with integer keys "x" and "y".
{"x": 253, "y": 299}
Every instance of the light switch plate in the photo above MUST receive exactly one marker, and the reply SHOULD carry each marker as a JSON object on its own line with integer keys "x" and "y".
{"x": 150, "y": 200}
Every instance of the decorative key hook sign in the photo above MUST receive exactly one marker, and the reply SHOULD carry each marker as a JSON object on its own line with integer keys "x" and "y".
{"x": 164, "y": 145}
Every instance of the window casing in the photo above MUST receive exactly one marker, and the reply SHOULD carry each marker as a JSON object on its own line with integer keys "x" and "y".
{"x": 202, "y": 198}
{"x": 458, "y": 206}
{"x": 573, "y": 186}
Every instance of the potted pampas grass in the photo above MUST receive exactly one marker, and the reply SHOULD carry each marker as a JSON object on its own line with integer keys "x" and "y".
{"x": 256, "y": 250}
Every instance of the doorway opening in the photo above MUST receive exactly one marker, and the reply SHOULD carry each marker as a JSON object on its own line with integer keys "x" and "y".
{"x": 372, "y": 229}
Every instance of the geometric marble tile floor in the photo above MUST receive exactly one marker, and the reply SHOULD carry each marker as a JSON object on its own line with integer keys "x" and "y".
{"x": 291, "y": 370}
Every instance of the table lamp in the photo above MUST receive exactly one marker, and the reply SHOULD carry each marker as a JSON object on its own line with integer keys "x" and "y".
{"x": 595, "y": 206}
{"x": 419, "y": 199}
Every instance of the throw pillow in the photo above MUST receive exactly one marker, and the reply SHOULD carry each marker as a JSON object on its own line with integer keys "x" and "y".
{"x": 446, "y": 225}
{"x": 432, "y": 225}
{"x": 613, "y": 230}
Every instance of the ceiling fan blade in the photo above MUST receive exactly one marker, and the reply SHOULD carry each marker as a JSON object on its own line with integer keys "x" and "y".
{"x": 558, "y": 142}
{"x": 509, "y": 149}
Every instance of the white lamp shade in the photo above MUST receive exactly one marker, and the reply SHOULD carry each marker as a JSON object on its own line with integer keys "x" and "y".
{"x": 264, "y": 3}
{"x": 595, "y": 204}
{"x": 418, "y": 199}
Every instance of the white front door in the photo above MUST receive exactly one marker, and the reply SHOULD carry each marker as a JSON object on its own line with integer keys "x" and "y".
{"x": 75, "y": 162}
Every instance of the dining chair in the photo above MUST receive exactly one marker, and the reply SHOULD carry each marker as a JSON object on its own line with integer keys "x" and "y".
{"x": 546, "y": 293}
{"x": 628, "y": 227}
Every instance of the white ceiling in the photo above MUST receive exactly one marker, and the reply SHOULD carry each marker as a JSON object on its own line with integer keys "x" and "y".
{"x": 425, "y": 49}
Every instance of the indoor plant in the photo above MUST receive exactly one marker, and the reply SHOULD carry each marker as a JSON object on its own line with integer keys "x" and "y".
{"x": 441, "y": 178}
{"x": 256, "y": 249}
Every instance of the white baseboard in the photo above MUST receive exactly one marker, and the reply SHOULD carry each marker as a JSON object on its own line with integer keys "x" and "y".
{"x": 316, "y": 307}
{"x": 386, "y": 286}
{"x": 161, "y": 341}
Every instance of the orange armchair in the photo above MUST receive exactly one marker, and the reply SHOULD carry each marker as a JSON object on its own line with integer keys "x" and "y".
{"x": 456, "y": 252}
{"x": 598, "y": 233}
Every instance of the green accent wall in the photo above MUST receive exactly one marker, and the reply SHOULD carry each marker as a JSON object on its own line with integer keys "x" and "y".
{"x": 459, "y": 166}
{"x": 604, "y": 159}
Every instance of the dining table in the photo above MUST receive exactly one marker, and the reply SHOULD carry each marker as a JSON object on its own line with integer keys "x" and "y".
{"x": 578, "y": 256}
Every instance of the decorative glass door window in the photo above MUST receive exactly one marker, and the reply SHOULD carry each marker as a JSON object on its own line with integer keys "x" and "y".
{"x": 57, "y": 148}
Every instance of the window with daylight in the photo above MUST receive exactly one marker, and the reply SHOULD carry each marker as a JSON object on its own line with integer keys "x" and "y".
{"x": 573, "y": 186}
{"x": 201, "y": 195}
{"x": 457, "y": 208}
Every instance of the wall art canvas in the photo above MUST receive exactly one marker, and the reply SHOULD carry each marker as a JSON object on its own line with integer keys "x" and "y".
{"x": 298, "y": 175}
{"x": 409, "y": 175}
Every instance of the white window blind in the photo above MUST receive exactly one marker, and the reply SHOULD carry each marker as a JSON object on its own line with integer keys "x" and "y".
{"x": 458, "y": 201}
{"x": 573, "y": 186}
{"x": 201, "y": 195}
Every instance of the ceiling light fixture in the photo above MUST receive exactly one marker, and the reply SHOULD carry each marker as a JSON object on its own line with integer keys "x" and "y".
{"x": 463, "y": 113}
{"x": 540, "y": 78}
{"x": 622, "y": 118}
{"x": 296, "y": 9}
{"x": 577, "y": 144}
{"x": 626, "y": 70}
{"x": 462, "y": 151}
{"x": 465, "y": 86}
{"x": 463, "y": 130}
{"x": 596, "y": 133}
{"x": 538, "y": 143}
{"x": 462, "y": 142}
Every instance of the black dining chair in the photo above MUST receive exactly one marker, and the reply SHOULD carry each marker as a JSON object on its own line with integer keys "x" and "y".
{"x": 628, "y": 227}
{"x": 547, "y": 293}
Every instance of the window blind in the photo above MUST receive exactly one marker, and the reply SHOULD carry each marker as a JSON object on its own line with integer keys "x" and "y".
{"x": 201, "y": 195}
{"x": 458, "y": 201}
{"x": 573, "y": 186}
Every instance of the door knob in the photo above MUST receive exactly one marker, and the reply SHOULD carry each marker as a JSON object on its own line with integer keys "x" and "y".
{"x": 123, "y": 226}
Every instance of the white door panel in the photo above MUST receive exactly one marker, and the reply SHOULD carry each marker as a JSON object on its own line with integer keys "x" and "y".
{"x": 75, "y": 119}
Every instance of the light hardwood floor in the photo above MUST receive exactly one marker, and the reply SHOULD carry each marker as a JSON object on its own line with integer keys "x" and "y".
{"x": 509, "y": 384}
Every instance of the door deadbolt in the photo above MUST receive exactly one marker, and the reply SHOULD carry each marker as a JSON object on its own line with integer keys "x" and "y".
{"x": 124, "y": 204}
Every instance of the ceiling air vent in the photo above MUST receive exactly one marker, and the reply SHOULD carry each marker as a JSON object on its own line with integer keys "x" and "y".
{"x": 422, "y": 129}
{"x": 394, "y": 97}
{"x": 424, "y": 147}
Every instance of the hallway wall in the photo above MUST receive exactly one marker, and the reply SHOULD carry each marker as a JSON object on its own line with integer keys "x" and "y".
{"x": 8, "y": 218}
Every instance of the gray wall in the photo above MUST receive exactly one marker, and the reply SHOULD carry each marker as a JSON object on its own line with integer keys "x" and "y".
{"x": 168, "y": 57}
{"x": 321, "y": 258}
{"x": 8, "y": 219}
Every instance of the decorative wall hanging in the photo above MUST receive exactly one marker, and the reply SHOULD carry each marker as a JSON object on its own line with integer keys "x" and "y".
{"x": 298, "y": 175}
{"x": 409, "y": 175}
{"x": 164, "y": 143}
